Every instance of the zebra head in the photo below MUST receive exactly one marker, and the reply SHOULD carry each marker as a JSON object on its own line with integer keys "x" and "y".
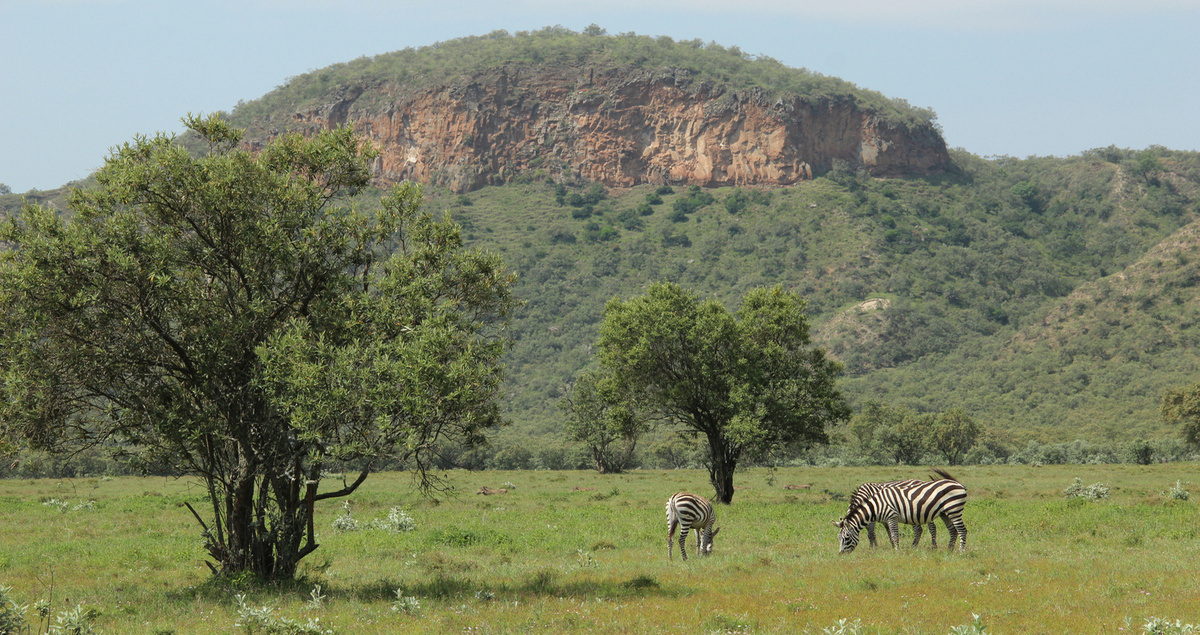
{"x": 706, "y": 540}
{"x": 848, "y": 529}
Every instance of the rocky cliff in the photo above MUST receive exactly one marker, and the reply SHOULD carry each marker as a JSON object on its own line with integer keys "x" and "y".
{"x": 620, "y": 127}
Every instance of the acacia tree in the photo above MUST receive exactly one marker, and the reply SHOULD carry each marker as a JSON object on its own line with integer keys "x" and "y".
{"x": 607, "y": 423}
{"x": 904, "y": 435}
{"x": 954, "y": 434}
{"x": 747, "y": 381}
{"x": 1181, "y": 406}
{"x": 227, "y": 315}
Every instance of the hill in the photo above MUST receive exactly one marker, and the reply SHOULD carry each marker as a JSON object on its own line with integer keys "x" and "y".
{"x": 618, "y": 110}
{"x": 1054, "y": 298}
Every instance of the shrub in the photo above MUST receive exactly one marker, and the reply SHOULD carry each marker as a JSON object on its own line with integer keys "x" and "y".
{"x": 1095, "y": 491}
{"x": 253, "y": 620}
{"x": 397, "y": 521}
{"x": 844, "y": 627}
{"x": 77, "y": 621}
{"x": 12, "y": 615}
{"x": 345, "y": 522}
{"x": 1179, "y": 492}
{"x": 1159, "y": 626}
{"x": 976, "y": 627}
{"x": 406, "y": 604}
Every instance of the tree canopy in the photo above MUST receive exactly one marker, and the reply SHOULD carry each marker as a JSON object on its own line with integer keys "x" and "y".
{"x": 747, "y": 381}
{"x": 606, "y": 422}
{"x": 232, "y": 316}
{"x": 1181, "y": 407}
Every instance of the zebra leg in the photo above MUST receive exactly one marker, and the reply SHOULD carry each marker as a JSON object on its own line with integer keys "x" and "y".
{"x": 916, "y": 535}
{"x": 894, "y": 532}
{"x": 683, "y": 543}
{"x": 933, "y": 534}
{"x": 871, "y": 534}
{"x": 962, "y": 532}
{"x": 950, "y": 527}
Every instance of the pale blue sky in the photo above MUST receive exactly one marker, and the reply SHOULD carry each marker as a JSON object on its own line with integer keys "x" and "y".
{"x": 1010, "y": 77}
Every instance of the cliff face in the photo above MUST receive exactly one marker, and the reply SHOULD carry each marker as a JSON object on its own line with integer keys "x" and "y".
{"x": 618, "y": 127}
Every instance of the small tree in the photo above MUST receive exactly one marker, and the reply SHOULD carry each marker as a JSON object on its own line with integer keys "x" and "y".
{"x": 873, "y": 416}
{"x": 605, "y": 423}
{"x": 1181, "y": 407}
{"x": 905, "y": 435}
{"x": 954, "y": 434}
{"x": 747, "y": 382}
{"x": 227, "y": 316}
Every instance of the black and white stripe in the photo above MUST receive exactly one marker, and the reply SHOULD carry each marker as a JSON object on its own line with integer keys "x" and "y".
{"x": 916, "y": 505}
{"x": 867, "y": 490}
{"x": 686, "y": 512}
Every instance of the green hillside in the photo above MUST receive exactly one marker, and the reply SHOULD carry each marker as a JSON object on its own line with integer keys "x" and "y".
{"x": 1053, "y": 298}
{"x": 971, "y": 270}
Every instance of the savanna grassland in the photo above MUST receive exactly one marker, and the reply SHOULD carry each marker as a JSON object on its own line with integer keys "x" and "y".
{"x": 568, "y": 551}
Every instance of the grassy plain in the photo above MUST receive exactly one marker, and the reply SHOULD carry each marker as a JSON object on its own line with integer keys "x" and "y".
{"x": 581, "y": 552}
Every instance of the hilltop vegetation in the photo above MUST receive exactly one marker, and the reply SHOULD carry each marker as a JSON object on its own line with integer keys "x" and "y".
{"x": 414, "y": 69}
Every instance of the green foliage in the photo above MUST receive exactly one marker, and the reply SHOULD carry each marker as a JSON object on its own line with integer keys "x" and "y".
{"x": 747, "y": 381}
{"x": 1160, "y": 626}
{"x": 263, "y": 620}
{"x": 906, "y": 435}
{"x": 229, "y": 316}
{"x": 969, "y": 275}
{"x": 1181, "y": 407}
{"x": 694, "y": 199}
{"x": 1093, "y": 492}
{"x": 12, "y": 615}
{"x": 607, "y": 423}
{"x": 954, "y": 434}
{"x": 1178, "y": 492}
{"x": 457, "y": 60}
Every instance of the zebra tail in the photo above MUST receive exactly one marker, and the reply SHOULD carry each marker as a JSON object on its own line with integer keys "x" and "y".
{"x": 944, "y": 474}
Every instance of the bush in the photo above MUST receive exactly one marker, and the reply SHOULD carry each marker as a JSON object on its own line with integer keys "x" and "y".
{"x": 1160, "y": 626}
{"x": 1095, "y": 491}
{"x": 12, "y": 615}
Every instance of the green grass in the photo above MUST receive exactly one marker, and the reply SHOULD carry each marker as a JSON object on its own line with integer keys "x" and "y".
{"x": 551, "y": 557}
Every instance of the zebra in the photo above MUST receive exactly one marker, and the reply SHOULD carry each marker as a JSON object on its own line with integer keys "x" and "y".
{"x": 867, "y": 490}
{"x": 915, "y": 505}
{"x": 687, "y": 512}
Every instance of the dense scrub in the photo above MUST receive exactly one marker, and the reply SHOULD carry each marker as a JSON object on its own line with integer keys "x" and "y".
{"x": 962, "y": 271}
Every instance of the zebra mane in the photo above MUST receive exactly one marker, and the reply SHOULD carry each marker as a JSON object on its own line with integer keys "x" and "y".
{"x": 944, "y": 474}
{"x": 855, "y": 506}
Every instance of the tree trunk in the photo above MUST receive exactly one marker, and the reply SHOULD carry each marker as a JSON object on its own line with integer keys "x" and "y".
{"x": 722, "y": 463}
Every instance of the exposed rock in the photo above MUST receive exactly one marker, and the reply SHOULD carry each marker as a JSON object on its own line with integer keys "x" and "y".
{"x": 618, "y": 127}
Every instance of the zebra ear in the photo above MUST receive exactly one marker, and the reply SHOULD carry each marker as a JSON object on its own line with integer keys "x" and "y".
{"x": 715, "y": 531}
{"x": 838, "y": 523}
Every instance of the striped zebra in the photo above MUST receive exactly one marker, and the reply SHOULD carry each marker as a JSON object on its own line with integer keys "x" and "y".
{"x": 686, "y": 512}
{"x": 867, "y": 490}
{"x": 915, "y": 505}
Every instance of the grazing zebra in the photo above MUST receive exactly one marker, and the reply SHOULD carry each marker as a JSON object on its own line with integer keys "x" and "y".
{"x": 915, "y": 505}
{"x": 867, "y": 490}
{"x": 687, "y": 512}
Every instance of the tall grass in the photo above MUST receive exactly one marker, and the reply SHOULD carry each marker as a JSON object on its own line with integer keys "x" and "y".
{"x": 577, "y": 551}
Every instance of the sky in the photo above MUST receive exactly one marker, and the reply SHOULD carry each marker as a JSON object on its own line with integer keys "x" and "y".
{"x": 1005, "y": 77}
